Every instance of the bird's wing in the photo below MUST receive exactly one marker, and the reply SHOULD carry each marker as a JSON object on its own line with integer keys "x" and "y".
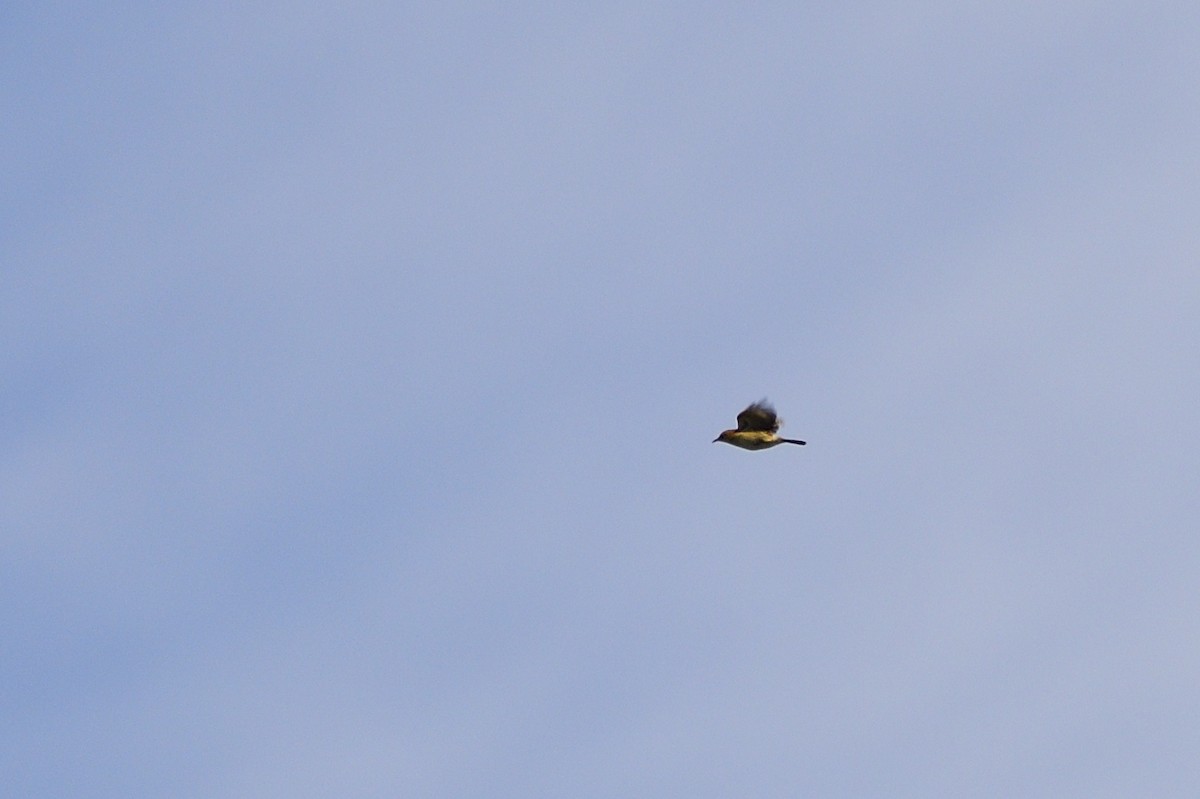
{"x": 759, "y": 416}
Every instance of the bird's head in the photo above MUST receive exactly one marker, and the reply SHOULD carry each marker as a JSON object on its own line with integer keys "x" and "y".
{"x": 725, "y": 436}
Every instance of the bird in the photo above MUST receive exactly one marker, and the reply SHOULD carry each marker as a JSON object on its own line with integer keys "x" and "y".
{"x": 757, "y": 428}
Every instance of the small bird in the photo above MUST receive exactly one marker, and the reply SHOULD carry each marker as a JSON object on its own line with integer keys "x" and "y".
{"x": 757, "y": 427}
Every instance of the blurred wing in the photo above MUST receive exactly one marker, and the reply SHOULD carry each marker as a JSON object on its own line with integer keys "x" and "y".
{"x": 759, "y": 416}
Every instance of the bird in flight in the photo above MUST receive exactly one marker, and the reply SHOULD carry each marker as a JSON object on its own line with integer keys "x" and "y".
{"x": 757, "y": 428}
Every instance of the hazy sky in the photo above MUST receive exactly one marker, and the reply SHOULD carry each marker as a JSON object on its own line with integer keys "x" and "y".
{"x": 362, "y": 363}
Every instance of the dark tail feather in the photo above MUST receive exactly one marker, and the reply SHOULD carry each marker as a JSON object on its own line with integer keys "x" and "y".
{"x": 792, "y": 441}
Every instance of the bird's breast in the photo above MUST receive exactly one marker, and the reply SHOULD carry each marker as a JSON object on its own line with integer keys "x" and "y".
{"x": 754, "y": 439}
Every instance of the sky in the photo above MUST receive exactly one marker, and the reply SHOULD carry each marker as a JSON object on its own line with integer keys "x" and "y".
{"x": 362, "y": 364}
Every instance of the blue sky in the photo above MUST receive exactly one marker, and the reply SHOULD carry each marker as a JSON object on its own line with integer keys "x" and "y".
{"x": 362, "y": 365}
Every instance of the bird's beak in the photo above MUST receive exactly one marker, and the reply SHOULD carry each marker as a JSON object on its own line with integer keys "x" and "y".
{"x": 715, "y": 440}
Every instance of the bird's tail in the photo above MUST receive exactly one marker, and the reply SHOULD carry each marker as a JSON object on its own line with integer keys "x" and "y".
{"x": 792, "y": 441}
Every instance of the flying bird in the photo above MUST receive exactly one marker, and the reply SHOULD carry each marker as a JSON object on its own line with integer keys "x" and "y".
{"x": 757, "y": 428}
